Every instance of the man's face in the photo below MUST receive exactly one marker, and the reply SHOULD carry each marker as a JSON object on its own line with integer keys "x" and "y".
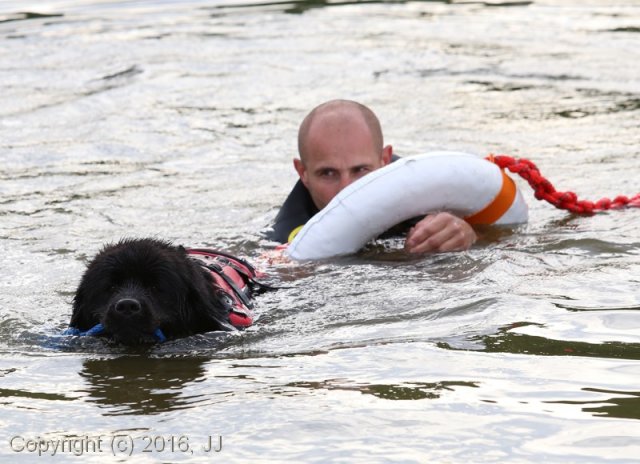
{"x": 337, "y": 155}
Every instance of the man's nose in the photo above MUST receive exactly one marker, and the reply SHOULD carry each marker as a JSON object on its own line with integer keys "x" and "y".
{"x": 344, "y": 182}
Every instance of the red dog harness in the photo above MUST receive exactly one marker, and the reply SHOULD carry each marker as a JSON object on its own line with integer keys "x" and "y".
{"x": 235, "y": 278}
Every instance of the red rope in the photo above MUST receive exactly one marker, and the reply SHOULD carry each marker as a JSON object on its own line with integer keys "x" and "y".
{"x": 544, "y": 190}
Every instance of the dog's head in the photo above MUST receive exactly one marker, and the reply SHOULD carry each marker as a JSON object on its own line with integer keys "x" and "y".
{"x": 137, "y": 287}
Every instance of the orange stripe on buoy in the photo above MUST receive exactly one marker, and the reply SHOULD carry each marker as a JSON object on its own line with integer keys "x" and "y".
{"x": 498, "y": 206}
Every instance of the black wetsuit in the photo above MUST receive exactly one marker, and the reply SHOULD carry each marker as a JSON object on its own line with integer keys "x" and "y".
{"x": 298, "y": 208}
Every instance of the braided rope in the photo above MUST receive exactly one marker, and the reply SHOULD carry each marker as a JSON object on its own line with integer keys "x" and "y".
{"x": 544, "y": 190}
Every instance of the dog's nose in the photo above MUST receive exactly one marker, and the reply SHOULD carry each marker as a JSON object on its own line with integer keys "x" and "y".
{"x": 128, "y": 306}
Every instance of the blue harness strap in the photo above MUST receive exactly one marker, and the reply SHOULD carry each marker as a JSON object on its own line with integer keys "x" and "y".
{"x": 159, "y": 336}
{"x": 95, "y": 330}
{"x": 98, "y": 329}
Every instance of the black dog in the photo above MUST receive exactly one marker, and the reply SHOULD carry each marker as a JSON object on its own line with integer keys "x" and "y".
{"x": 147, "y": 290}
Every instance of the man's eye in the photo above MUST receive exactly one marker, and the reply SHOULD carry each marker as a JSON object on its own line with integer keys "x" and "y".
{"x": 327, "y": 173}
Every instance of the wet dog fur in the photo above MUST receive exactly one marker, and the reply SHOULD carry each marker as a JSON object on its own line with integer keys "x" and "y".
{"x": 137, "y": 286}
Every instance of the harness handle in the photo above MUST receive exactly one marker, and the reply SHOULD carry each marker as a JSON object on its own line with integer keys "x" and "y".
{"x": 229, "y": 256}
{"x": 239, "y": 293}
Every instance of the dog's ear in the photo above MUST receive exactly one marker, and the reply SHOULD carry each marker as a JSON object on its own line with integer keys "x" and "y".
{"x": 77, "y": 304}
{"x": 81, "y": 315}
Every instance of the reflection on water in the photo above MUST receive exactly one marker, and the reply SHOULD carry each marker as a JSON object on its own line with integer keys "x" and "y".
{"x": 178, "y": 120}
{"x": 135, "y": 385}
{"x": 9, "y": 393}
{"x": 418, "y": 391}
{"x": 506, "y": 341}
{"x": 27, "y": 15}
{"x": 625, "y": 405}
{"x": 301, "y": 6}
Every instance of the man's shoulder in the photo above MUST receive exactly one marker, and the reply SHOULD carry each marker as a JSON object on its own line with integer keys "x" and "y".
{"x": 296, "y": 210}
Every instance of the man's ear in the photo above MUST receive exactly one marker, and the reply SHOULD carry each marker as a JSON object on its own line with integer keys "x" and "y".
{"x": 300, "y": 169}
{"x": 387, "y": 152}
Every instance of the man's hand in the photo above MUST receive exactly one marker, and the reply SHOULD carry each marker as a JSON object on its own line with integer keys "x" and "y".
{"x": 439, "y": 233}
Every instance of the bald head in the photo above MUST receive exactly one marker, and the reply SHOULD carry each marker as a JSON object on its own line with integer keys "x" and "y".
{"x": 339, "y": 142}
{"x": 338, "y": 118}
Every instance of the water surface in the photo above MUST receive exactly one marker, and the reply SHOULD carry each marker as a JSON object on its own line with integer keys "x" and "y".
{"x": 178, "y": 120}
